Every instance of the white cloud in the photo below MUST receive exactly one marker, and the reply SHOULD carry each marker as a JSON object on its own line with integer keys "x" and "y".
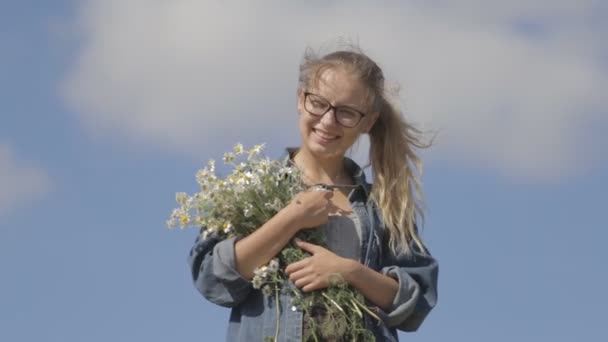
{"x": 20, "y": 183}
{"x": 511, "y": 85}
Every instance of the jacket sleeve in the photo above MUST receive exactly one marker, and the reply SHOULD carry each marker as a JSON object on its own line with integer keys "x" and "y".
{"x": 416, "y": 273}
{"x": 214, "y": 273}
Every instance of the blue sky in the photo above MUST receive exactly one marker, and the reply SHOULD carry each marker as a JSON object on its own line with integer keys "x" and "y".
{"x": 108, "y": 108}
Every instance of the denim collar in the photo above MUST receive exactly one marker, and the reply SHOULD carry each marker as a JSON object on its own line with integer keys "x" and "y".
{"x": 352, "y": 168}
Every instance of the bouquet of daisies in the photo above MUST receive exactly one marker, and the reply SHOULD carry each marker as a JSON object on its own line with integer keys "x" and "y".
{"x": 238, "y": 204}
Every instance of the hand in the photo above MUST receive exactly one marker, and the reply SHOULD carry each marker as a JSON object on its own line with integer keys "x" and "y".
{"x": 310, "y": 208}
{"x": 318, "y": 271}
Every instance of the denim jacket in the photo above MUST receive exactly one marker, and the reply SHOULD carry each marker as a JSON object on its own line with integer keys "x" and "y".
{"x": 253, "y": 315}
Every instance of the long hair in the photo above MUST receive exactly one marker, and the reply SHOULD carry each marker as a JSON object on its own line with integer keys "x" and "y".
{"x": 396, "y": 167}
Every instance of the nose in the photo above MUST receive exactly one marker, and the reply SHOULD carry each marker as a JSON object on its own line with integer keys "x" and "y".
{"x": 329, "y": 118}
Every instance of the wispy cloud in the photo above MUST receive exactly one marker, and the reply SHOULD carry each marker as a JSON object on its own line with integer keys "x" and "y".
{"x": 512, "y": 85}
{"x": 20, "y": 182}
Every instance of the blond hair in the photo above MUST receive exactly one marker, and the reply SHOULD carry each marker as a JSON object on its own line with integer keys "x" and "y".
{"x": 396, "y": 167}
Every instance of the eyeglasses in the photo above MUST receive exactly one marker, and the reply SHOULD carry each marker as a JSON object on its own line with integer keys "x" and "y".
{"x": 318, "y": 106}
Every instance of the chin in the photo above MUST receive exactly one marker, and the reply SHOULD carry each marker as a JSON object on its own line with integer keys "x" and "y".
{"x": 323, "y": 149}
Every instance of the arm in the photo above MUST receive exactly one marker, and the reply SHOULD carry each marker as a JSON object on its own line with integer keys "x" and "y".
{"x": 262, "y": 245}
{"x": 221, "y": 269}
{"x": 211, "y": 261}
{"x": 416, "y": 274}
{"x": 405, "y": 289}
{"x": 314, "y": 273}
{"x": 307, "y": 209}
{"x": 378, "y": 288}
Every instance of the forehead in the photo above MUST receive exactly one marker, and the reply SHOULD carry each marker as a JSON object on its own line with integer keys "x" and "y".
{"x": 340, "y": 87}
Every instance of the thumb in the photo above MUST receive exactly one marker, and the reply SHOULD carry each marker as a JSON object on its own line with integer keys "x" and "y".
{"x": 307, "y": 246}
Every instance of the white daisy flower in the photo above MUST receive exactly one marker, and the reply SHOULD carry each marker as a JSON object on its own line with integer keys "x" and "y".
{"x": 238, "y": 149}
{"x": 229, "y": 157}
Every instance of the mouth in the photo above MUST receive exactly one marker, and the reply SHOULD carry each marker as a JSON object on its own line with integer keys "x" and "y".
{"x": 326, "y": 136}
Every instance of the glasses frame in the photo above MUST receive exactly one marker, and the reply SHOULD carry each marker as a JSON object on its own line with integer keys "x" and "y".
{"x": 335, "y": 110}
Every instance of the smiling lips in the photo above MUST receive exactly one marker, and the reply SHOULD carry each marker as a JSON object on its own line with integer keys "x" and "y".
{"x": 324, "y": 136}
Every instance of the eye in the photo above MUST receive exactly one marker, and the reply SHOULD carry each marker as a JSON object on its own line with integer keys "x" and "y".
{"x": 348, "y": 114}
{"x": 317, "y": 102}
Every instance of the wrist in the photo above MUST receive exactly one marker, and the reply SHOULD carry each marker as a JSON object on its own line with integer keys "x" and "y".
{"x": 352, "y": 270}
{"x": 290, "y": 219}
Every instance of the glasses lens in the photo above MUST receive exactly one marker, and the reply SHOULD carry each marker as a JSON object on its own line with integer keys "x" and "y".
{"x": 316, "y": 105}
{"x": 347, "y": 117}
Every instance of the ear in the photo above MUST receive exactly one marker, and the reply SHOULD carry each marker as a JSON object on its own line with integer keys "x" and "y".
{"x": 371, "y": 121}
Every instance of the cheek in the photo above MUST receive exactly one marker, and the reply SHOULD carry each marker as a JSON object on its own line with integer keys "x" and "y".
{"x": 350, "y": 137}
{"x": 306, "y": 122}
{"x": 304, "y": 126}
{"x": 352, "y": 133}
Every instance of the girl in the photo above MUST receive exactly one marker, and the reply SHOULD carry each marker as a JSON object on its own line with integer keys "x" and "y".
{"x": 370, "y": 230}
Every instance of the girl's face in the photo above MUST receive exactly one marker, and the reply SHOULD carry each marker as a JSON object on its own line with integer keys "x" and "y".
{"x": 322, "y": 134}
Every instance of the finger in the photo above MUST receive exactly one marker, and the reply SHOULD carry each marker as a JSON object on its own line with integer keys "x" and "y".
{"x": 328, "y": 194}
{"x": 317, "y": 188}
{"x": 312, "y": 286}
{"x": 331, "y": 205}
{"x": 293, "y": 267}
{"x": 307, "y": 246}
{"x": 294, "y": 276}
{"x": 305, "y": 281}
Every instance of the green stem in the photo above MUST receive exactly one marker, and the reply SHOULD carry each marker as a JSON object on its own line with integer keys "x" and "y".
{"x": 356, "y": 308}
{"x": 276, "y": 292}
{"x": 370, "y": 312}
{"x": 333, "y": 302}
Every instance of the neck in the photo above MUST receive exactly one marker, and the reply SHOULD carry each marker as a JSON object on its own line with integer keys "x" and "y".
{"x": 328, "y": 170}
